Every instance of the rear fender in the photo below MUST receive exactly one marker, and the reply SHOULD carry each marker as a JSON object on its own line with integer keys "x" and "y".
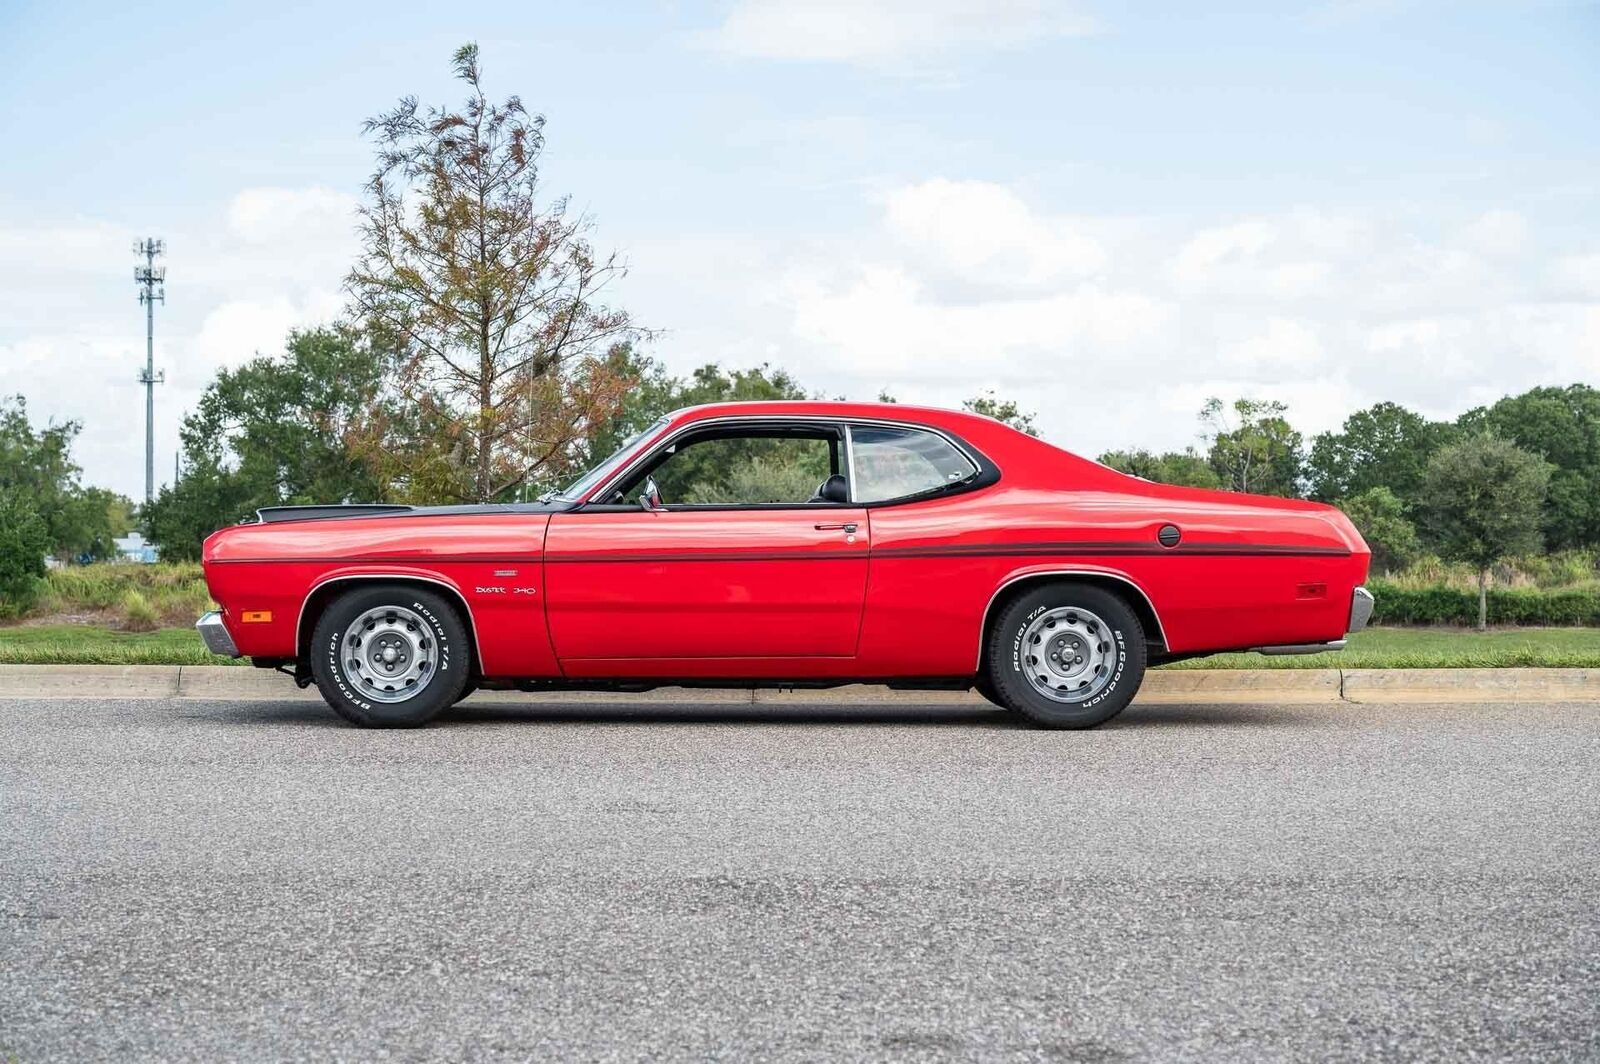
{"x": 1138, "y": 598}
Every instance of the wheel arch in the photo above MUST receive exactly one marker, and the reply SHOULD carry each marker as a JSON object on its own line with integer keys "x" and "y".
{"x": 329, "y": 588}
{"x": 1124, "y": 587}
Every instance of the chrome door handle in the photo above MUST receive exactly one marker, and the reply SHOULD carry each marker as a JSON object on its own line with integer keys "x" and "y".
{"x": 848, "y": 527}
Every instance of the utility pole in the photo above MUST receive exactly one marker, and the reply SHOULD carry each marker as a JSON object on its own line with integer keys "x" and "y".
{"x": 152, "y": 282}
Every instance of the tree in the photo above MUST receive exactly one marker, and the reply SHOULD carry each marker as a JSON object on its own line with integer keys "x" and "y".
{"x": 1006, "y": 410}
{"x": 1252, "y": 447}
{"x": 1480, "y": 501}
{"x": 1562, "y": 425}
{"x": 1380, "y": 517}
{"x": 307, "y": 426}
{"x": 91, "y": 519}
{"x": 653, "y": 392}
{"x": 1385, "y": 445}
{"x": 182, "y": 515}
{"x": 1185, "y": 468}
{"x": 777, "y": 477}
{"x": 498, "y": 299}
{"x": 24, "y": 539}
{"x": 312, "y": 425}
{"x": 704, "y": 471}
{"x": 37, "y": 463}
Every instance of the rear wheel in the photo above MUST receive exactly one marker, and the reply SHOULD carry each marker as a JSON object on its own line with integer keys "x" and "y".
{"x": 389, "y": 656}
{"x": 1066, "y": 655}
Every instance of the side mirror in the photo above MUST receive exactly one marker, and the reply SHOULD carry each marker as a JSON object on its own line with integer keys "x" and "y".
{"x": 650, "y": 498}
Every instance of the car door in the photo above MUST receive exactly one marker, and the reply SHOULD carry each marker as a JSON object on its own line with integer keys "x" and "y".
{"x": 743, "y": 561}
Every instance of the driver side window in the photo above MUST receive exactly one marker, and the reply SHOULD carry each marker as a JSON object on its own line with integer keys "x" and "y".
{"x": 750, "y": 470}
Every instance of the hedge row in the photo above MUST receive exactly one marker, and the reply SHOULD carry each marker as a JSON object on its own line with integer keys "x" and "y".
{"x": 1448, "y": 605}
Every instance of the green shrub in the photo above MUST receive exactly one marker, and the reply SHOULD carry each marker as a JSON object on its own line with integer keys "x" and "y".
{"x": 24, "y": 539}
{"x": 137, "y": 613}
{"x": 1399, "y": 603}
{"x": 176, "y": 592}
{"x": 1573, "y": 569}
{"x": 1567, "y": 568}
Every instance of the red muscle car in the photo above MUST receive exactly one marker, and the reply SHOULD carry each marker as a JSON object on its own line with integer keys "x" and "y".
{"x": 789, "y": 543}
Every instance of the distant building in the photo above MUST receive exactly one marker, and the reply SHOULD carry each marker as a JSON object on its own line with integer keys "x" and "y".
{"x": 133, "y": 548}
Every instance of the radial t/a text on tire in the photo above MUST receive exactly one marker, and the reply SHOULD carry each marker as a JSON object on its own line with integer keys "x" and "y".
{"x": 1066, "y": 655}
{"x": 390, "y": 655}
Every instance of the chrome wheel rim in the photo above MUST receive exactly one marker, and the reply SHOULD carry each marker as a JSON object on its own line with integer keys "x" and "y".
{"x": 1068, "y": 654}
{"x": 389, "y": 653}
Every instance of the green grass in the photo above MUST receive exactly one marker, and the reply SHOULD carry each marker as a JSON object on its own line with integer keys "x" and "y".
{"x": 76, "y": 644}
{"x": 171, "y": 594}
{"x": 1379, "y": 648}
{"x": 1434, "y": 648}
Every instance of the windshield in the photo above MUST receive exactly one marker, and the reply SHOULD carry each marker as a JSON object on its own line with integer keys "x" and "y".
{"x": 578, "y": 488}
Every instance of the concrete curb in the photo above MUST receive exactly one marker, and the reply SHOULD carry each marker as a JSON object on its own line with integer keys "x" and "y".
{"x": 1240, "y": 685}
{"x": 1471, "y": 685}
{"x": 89, "y": 681}
{"x": 1177, "y": 687}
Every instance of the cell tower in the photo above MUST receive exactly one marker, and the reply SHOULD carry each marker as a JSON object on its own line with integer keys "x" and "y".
{"x": 152, "y": 282}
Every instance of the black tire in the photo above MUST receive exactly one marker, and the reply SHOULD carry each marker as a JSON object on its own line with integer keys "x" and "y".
{"x": 1107, "y": 693}
{"x": 348, "y": 693}
{"x": 985, "y": 687}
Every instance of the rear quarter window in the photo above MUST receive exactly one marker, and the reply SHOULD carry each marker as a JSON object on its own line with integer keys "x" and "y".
{"x": 893, "y": 462}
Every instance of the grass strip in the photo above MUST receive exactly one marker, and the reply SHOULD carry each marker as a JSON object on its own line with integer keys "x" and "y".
{"x": 79, "y": 644}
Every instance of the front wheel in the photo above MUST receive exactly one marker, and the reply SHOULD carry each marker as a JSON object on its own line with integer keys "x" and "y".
{"x": 389, "y": 656}
{"x": 1066, "y": 655}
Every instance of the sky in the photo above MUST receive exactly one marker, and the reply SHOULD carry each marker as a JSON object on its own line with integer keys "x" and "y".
{"x": 1108, "y": 212}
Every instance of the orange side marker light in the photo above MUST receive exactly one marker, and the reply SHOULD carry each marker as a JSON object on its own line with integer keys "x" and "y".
{"x": 256, "y": 616}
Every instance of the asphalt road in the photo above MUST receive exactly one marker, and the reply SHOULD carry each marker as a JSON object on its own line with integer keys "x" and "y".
{"x": 192, "y": 880}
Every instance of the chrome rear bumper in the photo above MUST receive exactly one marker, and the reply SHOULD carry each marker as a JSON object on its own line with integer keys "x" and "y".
{"x": 1361, "y": 604}
{"x": 215, "y": 636}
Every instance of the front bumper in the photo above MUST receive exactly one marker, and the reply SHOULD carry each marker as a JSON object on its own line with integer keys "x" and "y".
{"x": 215, "y": 635}
{"x": 1361, "y": 604}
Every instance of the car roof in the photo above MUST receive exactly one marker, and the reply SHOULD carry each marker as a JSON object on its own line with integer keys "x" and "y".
{"x": 838, "y": 408}
{"x": 1021, "y": 457}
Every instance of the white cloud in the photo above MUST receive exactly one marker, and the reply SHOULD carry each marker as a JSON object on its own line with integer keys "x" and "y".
{"x": 967, "y": 282}
{"x": 238, "y": 330}
{"x": 983, "y": 232}
{"x": 1284, "y": 345}
{"x": 1497, "y": 233}
{"x": 883, "y": 318}
{"x": 267, "y": 215}
{"x": 273, "y": 238}
{"x": 1257, "y": 258}
{"x": 1578, "y": 275}
{"x": 887, "y": 32}
{"x": 72, "y": 335}
{"x": 1116, "y": 330}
